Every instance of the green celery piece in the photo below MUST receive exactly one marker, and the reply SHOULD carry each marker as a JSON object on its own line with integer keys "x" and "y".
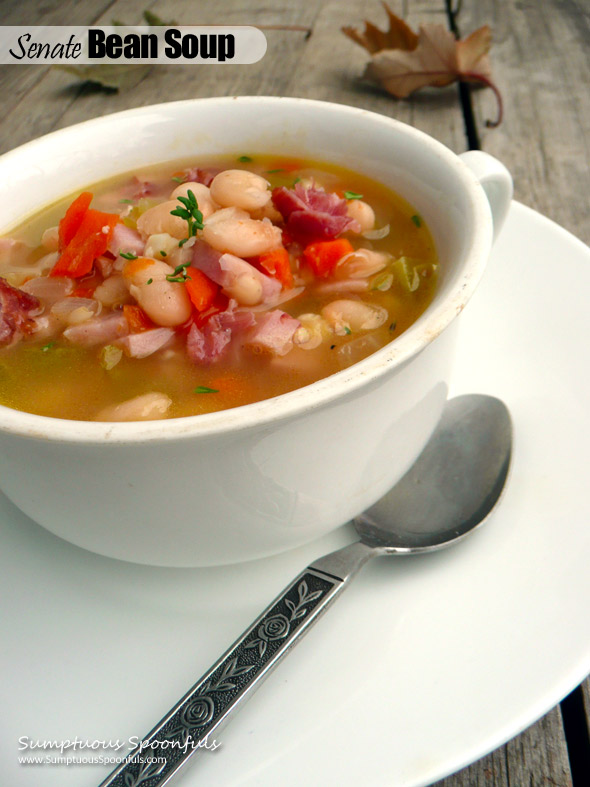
{"x": 406, "y": 274}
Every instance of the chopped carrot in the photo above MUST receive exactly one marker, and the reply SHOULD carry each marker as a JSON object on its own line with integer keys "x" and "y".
{"x": 232, "y": 385}
{"x": 278, "y": 265}
{"x": 134, "y": 266}
{"x": 323, "y": 256}
{"x": 219, "y": 304}
{"x": 70, "y": 223}
{"x": 82, "y": 292}
{"x": 89, "y": 242}
{"x": 201, "y": 290}
{"x": 137, "y": 319}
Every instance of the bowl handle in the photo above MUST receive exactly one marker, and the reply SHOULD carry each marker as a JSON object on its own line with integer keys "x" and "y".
{"x": 496, "y": 182}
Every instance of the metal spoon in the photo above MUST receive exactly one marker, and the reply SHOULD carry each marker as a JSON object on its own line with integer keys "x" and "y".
{"x": 449, "y": 491}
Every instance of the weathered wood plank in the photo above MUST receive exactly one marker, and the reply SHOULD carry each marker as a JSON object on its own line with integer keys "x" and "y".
{"x": 536, "y": 758}
{"x": 326, "y": 65}
{"x": 541, "y": 63}
{"x": 16, "y": 81}
{"x": 38, "y": 96}
{"x": 56, "y": 100}
{"x": 333, "y": 65}
{"x": 586, "y": 695}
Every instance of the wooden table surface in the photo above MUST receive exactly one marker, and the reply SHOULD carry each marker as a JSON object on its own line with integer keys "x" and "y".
{"x": 541, "y": 64}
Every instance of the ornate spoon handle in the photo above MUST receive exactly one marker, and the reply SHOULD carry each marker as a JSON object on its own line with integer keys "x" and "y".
{"x": 158, "y": 757}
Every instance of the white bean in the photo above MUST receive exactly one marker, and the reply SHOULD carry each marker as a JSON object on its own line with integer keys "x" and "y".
{"x": 362, "y": 212}
{"x": 46, "y": 325}
{"x": 232, "y": 230}
{"x": 112, "y": 292}
{"x": 314, "y": 329}
{"x": 139, "y": 271}
{"x": 73, "y": 311}
{"x": 50, "y": 239}
{"x": 159, "y": 219}
{"x": 241, "y": 189}
{"x": 146, "y": 407}
{"x": 160, "y": 246}
{"x": 165, "y": 302}
{"x": 202, "y": 194}
{"x": 267, "y": 212}
{"x": 246, "y": 289}
{"x": 361, "y": 263}
{"x": 347, "y": 315}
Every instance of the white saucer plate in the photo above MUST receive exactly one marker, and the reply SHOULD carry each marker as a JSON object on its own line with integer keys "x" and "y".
{"x": 423, "y": 666}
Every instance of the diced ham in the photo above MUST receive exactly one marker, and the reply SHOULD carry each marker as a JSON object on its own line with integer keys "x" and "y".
{"x": 99, "y": 330}
{"x": 49, "y": 289}
{"x": 313, "y": 214}
{"x": 16, "y": 309}
{"x": 226, "y": 269}
{"x": 208, "y": 343}
{"x": 140, "y": 345}
{"x": 106, "y": 265}
{"x": 273, "y": 333}
{"x": 141, "y": 188}
{"x": 206, "y": 258}
{"x": 236, "y": 321}
{"x": 204, "y": 176}
{"x": 136, "y": 189}
{"x": 126, "y": 240}
{"x": 12, "y": 251}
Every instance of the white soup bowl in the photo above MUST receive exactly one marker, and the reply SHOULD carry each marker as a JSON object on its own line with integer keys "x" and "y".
{"x": 255, "y": 480}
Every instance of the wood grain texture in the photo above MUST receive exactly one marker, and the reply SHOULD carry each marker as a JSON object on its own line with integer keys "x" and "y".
{"x": 17, "y": 81}
{"x": 536, "y": 758}
{"x": 586, "y": 694}
{"x": 541, "y": 62}
{"x": 333, "y": 66}
{"x": 39, "y": 101}
{"x": 324, "y": 65}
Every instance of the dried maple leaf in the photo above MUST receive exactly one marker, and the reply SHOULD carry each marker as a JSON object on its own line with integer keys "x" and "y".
{"x": 399, "y": 35}
{"x": 403, "y": 61}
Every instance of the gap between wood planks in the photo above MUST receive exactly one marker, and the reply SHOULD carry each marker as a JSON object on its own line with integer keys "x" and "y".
{"x": 577, "y": 737}
{"x": 453, "y": 9}
{"x": 575, "y": 724}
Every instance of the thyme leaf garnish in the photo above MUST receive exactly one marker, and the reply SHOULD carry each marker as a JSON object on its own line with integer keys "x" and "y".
{"x": 189, "y": 211}
{"x": 179, "y": 274}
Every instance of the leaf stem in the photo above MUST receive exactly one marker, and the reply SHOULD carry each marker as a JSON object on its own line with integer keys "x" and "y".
{"x": 471, "y": 77}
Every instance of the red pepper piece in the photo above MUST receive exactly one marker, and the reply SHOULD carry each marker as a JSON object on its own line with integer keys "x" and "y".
{"x": 70, "y": 223}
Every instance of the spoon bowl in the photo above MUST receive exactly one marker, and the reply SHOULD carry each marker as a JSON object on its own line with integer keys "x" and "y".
{"x": 446, "y": 494}
{"x": 453, "y": 485}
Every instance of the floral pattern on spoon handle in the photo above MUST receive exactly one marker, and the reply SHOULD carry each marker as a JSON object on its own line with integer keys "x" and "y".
{"x": 186, "y": 728}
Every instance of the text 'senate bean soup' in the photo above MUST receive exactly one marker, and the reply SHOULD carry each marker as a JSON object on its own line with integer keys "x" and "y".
{"x": 189, "y": 288}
